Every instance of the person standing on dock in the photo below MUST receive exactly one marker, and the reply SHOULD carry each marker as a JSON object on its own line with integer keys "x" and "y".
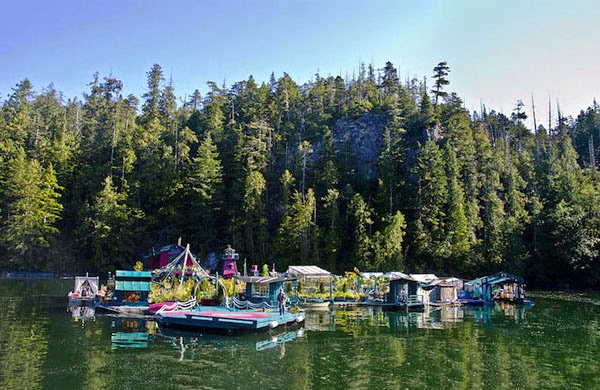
{"x": 281, "y": 298}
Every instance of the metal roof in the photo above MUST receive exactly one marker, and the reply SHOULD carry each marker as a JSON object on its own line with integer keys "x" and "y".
{"x": 497, "y": 278}
{"x": 307, "y": 271}
{"x": 424, "y": 278}
{"x": 371, "y": 274}
{"x": 445, "y": 282}
{"x": 134, "y": 274}
{"x": 264, "y": 279}
{"x": 126, "y": 285}
{"x": 397, "y": 275}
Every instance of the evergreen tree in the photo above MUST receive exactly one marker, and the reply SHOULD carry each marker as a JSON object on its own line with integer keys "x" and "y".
{"x": 32, "y": 211}
{"x": 110, "y": 227}
{"x": 294, "y": 233}
{"x": 430, "y": 243}
{"x": 255, "y": 222}
{"x": 440, "y": 71}
{"x": 205, "y": 181}
{"x": 457, "y": 224}
{"x": 387, "y": 252}
{"x": 361, "y": 215}
{"x": 152, "y": 97}
{"x": 332, "y": 229}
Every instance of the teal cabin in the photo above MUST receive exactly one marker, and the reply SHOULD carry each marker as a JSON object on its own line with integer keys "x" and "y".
{"x": 132, "y": 287}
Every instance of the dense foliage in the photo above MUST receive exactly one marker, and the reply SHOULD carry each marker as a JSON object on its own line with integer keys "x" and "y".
{"x": 369, "y": 172}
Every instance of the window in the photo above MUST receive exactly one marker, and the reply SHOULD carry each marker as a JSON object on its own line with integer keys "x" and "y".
{"x": 260, "y": 289}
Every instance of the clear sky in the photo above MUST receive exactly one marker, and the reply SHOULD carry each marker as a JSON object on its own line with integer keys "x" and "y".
{"x": 498, "y": 51}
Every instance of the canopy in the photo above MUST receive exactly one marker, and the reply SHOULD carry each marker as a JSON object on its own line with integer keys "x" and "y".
{"x": 307, "y": 271}
{"x": 89, "y": 282}
{"x": 179, "y": 265}
{"x": 128, "y": 285}
{"x": 396, "y": 276}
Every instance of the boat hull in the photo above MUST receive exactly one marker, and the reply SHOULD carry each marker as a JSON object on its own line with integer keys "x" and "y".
{"x": 124, "y": 309}
{"x": 316, "y": 305}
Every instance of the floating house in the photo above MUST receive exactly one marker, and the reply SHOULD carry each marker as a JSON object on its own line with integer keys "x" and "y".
{"x": 403, "y": 292}
{"x": 424, "y": 280}
{"x": 501, "y": 286}
{"x": 263, "y": 290}
{"x": 130, "y": 294}
{"x": 443, "y": 291}
{"x": 258, "y": 311}
{"x": 476, "y": 292}
{"x": 507, "y": 287}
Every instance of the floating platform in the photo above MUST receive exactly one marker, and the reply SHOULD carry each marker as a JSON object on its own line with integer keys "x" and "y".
{"x": 224, "y": 319}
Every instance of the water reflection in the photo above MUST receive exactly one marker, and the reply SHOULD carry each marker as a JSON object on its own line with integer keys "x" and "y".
{"x": 81, "y": 313}
{"x": 279, "y": 340}
{"x": 555, "y": 344}
{"x": 441, "y": 317}
{"x": 135, "y": 332}
{"x": 187, "y": 342}
{"x": 131, "y": 332}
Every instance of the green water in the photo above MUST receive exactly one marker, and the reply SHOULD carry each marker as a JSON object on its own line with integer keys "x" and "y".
{"x": 555, "y": 344}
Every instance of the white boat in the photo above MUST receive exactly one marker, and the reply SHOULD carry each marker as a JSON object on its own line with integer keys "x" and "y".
{"x": 84, "y": 290}
{"x": 315, "y": 303}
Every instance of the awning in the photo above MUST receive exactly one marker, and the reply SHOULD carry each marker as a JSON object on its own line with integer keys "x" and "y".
{"x": 134, "y": 274}
{"x": 128, "y": 285}
{"x": 307, "y": 271}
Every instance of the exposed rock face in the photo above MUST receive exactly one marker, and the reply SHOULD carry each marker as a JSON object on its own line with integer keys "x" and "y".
{"x": 361, "y": 139}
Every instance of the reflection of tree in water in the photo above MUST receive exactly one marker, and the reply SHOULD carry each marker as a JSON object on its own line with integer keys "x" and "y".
{"x": 24, "y": 345}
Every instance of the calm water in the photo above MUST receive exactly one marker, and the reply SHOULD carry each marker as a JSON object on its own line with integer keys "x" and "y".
{"x": 555, "y": 344}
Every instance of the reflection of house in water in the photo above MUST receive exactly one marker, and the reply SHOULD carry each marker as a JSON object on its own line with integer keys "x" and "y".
{"x": 515, "y": 312}
{"x": 403, "y": 322}
{"x": 82, "y": 313}
{"x": 319, "y": 320}
{"x": 498, "y": 311}
{"x": 131, "y": 332}
{"x": 439, "y": 317}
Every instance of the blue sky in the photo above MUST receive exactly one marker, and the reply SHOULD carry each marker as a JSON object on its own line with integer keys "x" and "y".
{"x": 498, "y": 51}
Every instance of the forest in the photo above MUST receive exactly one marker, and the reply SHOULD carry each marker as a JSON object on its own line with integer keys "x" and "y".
{"x": 367, "y": 171}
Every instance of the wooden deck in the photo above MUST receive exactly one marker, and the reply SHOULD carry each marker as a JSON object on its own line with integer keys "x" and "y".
{"x": 216, "y": 318}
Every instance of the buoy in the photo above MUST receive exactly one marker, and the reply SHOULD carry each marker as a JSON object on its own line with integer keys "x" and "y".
{"x": 273, "y": 324}
{"x": 300, "y": 319}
